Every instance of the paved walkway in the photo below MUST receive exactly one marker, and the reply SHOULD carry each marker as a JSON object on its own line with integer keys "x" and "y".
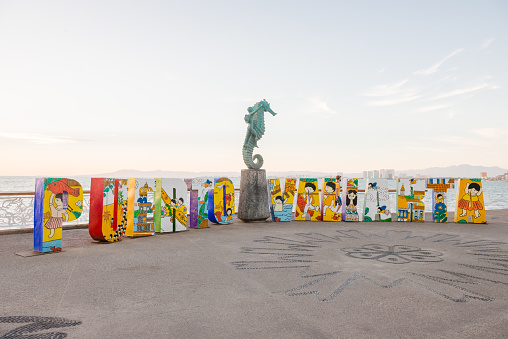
{"x": 280, "y": 280}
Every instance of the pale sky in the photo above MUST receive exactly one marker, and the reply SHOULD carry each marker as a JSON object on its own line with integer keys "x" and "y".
{"x": 91, "y": 87}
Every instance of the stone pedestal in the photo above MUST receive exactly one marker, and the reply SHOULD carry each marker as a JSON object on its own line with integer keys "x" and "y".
{"x": 253, "y": 205}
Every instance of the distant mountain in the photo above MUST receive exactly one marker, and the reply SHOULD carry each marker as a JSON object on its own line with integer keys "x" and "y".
{"x": 460, "y": 171}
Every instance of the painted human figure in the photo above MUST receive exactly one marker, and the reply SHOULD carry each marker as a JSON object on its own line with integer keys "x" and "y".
{"x": 351, "y": 199}
{"x": 330, "y": 200}
{"x": 471, "y": 201}
{"x": 57, "y": 213}
{"x": 279, "y": 204}
{"x": 310, "y": 188}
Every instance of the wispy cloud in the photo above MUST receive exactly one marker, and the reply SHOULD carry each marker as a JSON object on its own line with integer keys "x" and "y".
{"x": 463, "y": 91}
{"x": 433, "y": 108}
{"x": 41, "y": 139}
{"x": 487, "y": 43}
{"x": 386, "y": 89}
{"x": 433, "y": 69}
{"x": 320, "y": 106}
{"x": 392, "y": 94}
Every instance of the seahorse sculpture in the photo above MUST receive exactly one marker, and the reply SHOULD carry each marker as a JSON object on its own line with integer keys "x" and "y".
{"x": 255, "y": 120}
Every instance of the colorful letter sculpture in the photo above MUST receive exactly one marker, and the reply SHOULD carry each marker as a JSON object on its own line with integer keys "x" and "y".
{"x": 350, "y": 199}
{"x": 56, "y": 200}
{"x": 202, "y": 186}
{"x": 140, "y": 207}
{"x": 470, "y": 202}
{"x": 439, "y": 187}
{"x": 410, "y": 194}
{"x": 377, "y": 201}
{"x": 282, "y": 200}
{"x": 108, "y": 209}
{"x": 170, "y": 212}
{"x": 307, "y": 201}
{"x": 221, "y": 201}
{"x": 331, "y": 202}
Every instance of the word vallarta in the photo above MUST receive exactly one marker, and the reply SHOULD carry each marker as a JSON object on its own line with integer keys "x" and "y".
{"x": 338, "y": 200}
{"x": 129, "y": 207}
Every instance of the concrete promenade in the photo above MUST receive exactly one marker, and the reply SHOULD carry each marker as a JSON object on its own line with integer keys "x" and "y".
{"x": 265, "y": 280}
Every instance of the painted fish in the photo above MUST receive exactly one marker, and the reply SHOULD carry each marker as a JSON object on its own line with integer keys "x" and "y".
{"x": 62, "y": 185}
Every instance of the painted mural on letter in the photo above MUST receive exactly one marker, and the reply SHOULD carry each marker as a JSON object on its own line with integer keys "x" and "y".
{"x": 170, "y": 212}
{"x": 410, "y": 194}
{"x": 308, "y": 205}
{"x": 470, "y": 207}
{"x": 282, "y": 199}
{"x": 377, "y": 201}
{"x": 56, "y": 200}
{"x": 140, "y": 206}
{"x": 331, "y": 202}
{"x": 350, "y": 200}
{"x": 221, "y": 201}
{"x": 439, "y": 188}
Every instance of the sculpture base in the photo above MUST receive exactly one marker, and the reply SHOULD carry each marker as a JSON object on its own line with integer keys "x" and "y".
{"x": 253, "y": 204}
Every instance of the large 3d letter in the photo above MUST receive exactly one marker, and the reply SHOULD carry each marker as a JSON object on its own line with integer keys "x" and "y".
{"x": 331, "y": 202}
{"x": 410, "y": 194}
{"x": 440, "y": 186}
{"x": 170, "y": 211}
{"x": 470, "y": 202}
{"x": 108, "y": 210}
{"x": 307, "y": 202}
{"x": 377, "y": 201}
{"x": 140, "y": 207}
{"x": 56, "y": 200}
{"x": 199, "y": 219}
{"x": 350, "y": 200}
{"x": 221, "y": 201}
{"x": 282, "y": 199}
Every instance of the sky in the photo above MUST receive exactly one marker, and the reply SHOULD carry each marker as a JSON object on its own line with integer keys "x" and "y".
{"x": 90, "y": 87}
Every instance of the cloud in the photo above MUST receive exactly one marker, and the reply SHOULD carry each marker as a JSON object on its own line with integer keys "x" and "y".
{"x": 386, "y": 90}
{"x": 433, "y": 69}
{"x": 395, "y": 101}
{"x": 463, "y": 91}
{"x": 320, "y": 106}
{"x": 41, "y": 139}
{"x": 433, "y": 108}
{"x": 393, "y": 94}
{"x": 487, "y": 43}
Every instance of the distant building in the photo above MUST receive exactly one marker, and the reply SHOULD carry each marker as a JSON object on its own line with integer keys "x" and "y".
{"x": 365, "y": 174}
{"x": 376, "y": 174}
{"x": 483, "y": 175}
{"x": 402, "y": 175}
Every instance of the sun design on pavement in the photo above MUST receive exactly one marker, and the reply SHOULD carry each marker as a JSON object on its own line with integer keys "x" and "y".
{"x": 328, "y": 263}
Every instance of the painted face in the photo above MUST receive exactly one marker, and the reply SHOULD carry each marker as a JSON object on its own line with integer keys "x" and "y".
{"x": 351, "y": 196}
{"x": 474, "y": 191}
{"x": 329, "y": 189}
{"x": 58, "y": 202}
{"x": 309, "y": 189}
